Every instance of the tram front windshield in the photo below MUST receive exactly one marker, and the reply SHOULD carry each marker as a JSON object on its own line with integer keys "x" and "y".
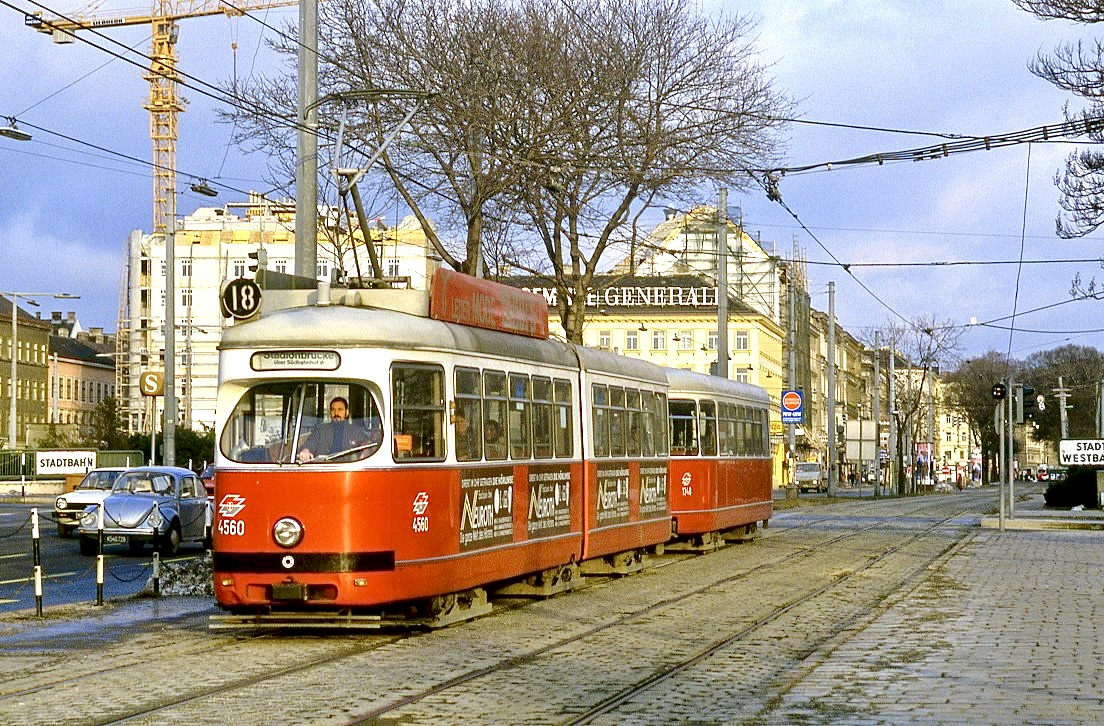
{"x": 299, "y": 422}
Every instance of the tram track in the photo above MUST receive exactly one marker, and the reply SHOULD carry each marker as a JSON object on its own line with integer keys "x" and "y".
{"x": 610, "y": 704}
{"x": 395, "y": 709}
{"x": 257, "y": 663}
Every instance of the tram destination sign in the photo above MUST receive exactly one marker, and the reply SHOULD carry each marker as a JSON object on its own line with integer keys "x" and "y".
{"x": 1081, "y": 452}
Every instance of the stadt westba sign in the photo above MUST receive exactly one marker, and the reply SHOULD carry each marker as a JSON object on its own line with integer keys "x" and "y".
{"x": 1081, "y": 452}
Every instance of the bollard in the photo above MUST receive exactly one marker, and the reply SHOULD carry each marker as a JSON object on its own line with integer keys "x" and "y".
{"x": 156, "y": 573}
{"x": 37, "y": 558}
{"x": 100, "y": 554}
{"x": 22, "y": 472}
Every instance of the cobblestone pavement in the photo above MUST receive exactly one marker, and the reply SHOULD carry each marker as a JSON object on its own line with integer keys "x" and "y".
{"x": 1005, "y": 630}
{"x": 964, "y": 625}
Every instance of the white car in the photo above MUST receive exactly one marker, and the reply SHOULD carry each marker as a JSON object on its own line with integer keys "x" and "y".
{"x": 92, "y": 489}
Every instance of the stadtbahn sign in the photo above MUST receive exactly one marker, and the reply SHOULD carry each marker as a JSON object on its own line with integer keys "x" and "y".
{"x": 1081, "y": 452}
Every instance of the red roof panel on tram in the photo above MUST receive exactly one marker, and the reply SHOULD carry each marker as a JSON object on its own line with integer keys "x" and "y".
{"x": 459, "y": 298}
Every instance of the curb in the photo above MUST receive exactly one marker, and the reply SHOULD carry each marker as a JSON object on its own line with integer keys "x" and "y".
{"x": 1042, "y": 523}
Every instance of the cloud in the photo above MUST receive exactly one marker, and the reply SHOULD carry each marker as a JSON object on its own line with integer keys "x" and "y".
{"x": 36, "y": 260}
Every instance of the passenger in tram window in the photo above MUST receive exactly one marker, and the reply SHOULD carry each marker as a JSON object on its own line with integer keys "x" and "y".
{"x": 336, "y": 435}
{"x": 709, "y": 439}
{"x": 463, "y": 436}
{"x": 492, "y": 437}
{"x": 634, "y": 441}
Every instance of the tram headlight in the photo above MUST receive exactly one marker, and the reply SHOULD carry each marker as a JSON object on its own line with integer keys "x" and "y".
{"x": 287, "y": 532}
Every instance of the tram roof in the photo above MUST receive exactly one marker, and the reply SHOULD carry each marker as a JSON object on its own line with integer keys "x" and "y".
{"x": 681, "y": 381}
{"x": 338, "y": 326}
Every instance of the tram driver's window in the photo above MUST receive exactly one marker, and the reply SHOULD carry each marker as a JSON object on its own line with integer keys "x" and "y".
{"x": 276, "y": 423}
{"x": 418, "y": 403}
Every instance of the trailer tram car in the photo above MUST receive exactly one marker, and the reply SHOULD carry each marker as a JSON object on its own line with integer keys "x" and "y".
{"x": 720, "y": 470}
{"x": 485, "y": 457}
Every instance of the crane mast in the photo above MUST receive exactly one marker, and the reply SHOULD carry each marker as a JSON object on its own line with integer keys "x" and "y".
{"x": 164, "y": 103}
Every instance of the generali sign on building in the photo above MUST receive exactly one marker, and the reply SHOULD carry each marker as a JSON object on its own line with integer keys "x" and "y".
{"x": 640, "y": 296}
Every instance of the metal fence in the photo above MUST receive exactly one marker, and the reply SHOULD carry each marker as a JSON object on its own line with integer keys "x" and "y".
{"x": 21, "y": 463}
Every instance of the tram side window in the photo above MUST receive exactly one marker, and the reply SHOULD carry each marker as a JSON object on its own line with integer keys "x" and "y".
{"x": 732, "y": 429}
{"x": 725, "y": 428}
{"x": 542, "y": 417}
{"x": 684, "y": 428}
{"x": 743, "y": 423}
{"x": 636, "y": 422}
{"x": 657, "y": 421}
{"x": 519, "y": 416}
{"x": 708, "y": 428}
{"x": 468, "y": 417}
{"x": 751, "y": 431}
{"x": 495, "y": 404}
{"x": 600, "y": 396}
{"x": 764, "y": 433}
{"x": 564, "y": 442}
{"x": 617, "y": 421}
{"x": 418, "y": 403}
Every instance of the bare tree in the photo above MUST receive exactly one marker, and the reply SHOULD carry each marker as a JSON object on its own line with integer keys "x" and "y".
{"x": 970, "y": 390}
{"x": 542, "y": 122}
{"x": 1079, "y": 69}
{"x": 919, "y": 346}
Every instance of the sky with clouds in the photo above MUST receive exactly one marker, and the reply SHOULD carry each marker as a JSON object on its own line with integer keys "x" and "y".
{"x": 958, "y": 68}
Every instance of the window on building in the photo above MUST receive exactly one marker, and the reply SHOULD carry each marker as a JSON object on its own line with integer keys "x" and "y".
{"x": 323, "y": 270}
{"x": 712, "y": 343}
{"x": 741, "y": 340}
{"x": 632, "y": 340}
{"x": 686, "y": 340}
{"x": 237, "y": 268}
{"x": 659, "y": 340}
{"x": 186, "y": 297}
{"x": 280, "y": 265}
{"x": 393, "y": 267}
{"x": 604, "y": 339}
{"x": 186, "y": 267}
{"x": 742, "y": 375}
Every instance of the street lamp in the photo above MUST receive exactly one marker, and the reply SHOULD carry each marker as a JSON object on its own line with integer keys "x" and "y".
{"x": 11, "y": 131}
{"x": 15, "y": 297}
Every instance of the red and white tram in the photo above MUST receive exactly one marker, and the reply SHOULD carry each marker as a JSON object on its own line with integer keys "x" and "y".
{"x": 472, "y": 458}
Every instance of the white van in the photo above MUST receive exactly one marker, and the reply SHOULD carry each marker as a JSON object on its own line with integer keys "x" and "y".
{"x": 809, "y": 477}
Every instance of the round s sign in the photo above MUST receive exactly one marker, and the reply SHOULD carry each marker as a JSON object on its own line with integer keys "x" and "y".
{"x": 151, "y": 383}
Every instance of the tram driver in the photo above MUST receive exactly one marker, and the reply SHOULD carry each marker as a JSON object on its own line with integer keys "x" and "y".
{"x": 338, "y": 434}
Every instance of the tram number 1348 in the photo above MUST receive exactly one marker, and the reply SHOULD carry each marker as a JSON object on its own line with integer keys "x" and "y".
{"x": 231, "y": 527}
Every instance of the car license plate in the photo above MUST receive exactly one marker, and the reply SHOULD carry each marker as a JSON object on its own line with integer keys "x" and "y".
{"x": 115, "y": 539}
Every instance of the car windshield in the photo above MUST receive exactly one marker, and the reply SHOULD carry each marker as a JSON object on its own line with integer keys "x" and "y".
{"x": 144, "y": 482}
{"x": 99, "y": 480}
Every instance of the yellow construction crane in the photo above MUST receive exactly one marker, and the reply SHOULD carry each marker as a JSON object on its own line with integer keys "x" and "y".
{"x": 164, "y": 103}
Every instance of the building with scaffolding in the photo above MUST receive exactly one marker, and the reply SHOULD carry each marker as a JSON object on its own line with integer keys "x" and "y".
{"x": 212, "y": 246}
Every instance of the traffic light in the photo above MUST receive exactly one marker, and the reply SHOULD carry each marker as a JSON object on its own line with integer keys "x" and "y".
{"x": 261, "y": 257}
{"x": 1000, "y": 391}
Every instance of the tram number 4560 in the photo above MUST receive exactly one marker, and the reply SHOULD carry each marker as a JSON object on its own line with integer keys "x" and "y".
{"x": 231, "y": 527}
